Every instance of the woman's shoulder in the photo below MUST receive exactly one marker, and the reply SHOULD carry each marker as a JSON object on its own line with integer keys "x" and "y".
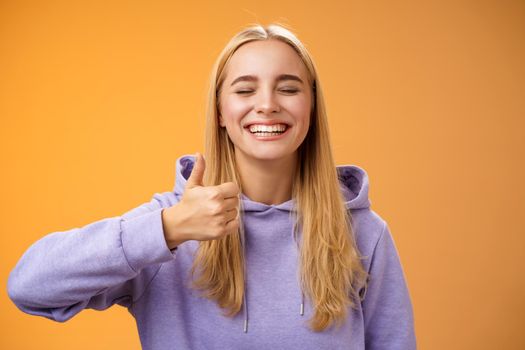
{"x": 368, "y": 227}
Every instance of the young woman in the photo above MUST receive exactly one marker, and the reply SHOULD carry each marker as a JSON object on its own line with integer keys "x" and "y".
{"x": 264, "y": 242}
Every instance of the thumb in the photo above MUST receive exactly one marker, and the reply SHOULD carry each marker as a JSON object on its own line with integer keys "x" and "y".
{"x": 197, "y": 173}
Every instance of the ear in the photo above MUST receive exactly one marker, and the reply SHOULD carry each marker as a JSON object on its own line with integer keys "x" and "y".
{"x": 221, "y": 121}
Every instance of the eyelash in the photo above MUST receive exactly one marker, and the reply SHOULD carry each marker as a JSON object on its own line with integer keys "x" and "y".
{"x": 288, "y": 91}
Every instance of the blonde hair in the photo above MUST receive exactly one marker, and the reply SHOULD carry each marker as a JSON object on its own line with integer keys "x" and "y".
{"x": 330, "y": 266}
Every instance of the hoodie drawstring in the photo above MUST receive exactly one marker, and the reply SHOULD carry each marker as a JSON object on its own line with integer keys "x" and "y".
{"x": 245, "y": 312}
{"x": 302, "y": 304}
{"x": 245, "y": 307}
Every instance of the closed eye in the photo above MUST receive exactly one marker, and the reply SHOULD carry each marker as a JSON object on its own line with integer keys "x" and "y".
{"x": 240, "y": 92}
{"x": 289, "y": 91}
{"x": 286, "y": 91}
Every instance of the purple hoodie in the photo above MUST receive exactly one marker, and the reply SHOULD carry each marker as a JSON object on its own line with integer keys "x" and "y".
{"x": 125, "y": 260}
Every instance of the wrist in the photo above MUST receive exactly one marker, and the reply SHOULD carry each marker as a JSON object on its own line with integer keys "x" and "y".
{"x": 169, "y": 226}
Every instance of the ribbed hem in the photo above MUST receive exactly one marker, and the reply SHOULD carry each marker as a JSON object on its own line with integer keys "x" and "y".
{"x": 143, "y": 240}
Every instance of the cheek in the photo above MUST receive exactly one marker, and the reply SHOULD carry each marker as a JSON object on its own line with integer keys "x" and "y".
{"x": 233, "y": 109}
{"x": 300, "y": 108}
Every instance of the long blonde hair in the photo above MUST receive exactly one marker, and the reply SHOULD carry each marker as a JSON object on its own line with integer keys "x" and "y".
{"x": 330, "y": 266}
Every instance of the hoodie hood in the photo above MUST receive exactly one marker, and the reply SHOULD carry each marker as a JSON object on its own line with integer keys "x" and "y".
{"x": 353, "y": 181}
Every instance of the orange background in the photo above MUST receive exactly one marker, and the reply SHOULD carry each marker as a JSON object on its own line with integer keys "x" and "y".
{"x": 99, "y": 98}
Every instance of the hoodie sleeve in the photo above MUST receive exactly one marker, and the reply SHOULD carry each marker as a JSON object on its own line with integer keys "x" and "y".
{"x": 387, "y": 309}
{"x": 105, "y": 262}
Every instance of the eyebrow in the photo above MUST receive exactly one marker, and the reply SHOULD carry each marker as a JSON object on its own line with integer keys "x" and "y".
{"x": 254, "y": 78}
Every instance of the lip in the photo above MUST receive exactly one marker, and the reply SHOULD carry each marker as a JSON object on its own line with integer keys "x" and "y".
{"x": 269, "y": 138}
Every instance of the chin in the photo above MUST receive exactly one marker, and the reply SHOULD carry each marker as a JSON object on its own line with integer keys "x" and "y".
{"x": 269, "y": 155}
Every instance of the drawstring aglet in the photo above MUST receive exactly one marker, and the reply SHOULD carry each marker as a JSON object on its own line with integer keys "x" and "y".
{"x": 245, "y": 326}
{"x": 302, "y": 309}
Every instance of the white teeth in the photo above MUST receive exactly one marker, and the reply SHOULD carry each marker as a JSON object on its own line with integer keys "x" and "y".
{"x": 267, "y": 128}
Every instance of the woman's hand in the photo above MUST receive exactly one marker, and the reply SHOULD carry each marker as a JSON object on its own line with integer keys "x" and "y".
{"x": 204, "y": 212}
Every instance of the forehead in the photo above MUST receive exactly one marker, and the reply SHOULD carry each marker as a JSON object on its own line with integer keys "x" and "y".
{"x": 265, "y": 58}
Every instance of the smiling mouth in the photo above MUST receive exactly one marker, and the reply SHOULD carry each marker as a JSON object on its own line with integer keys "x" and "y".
{"x": 269, "y": 135}
{"x": 279, "y": 129}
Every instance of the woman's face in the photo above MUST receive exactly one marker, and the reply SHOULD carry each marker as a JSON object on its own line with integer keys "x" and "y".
{"x": 265, "y": 91}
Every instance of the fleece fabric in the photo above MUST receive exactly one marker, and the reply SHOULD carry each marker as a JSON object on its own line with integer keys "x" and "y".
{"x": 125, "y": 260}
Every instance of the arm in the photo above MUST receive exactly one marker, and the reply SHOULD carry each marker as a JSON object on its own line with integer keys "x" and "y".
{"x": 94, "y": 266}
{"x": 387, "y": 309}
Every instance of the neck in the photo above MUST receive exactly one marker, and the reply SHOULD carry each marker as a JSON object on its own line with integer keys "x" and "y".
{"x": 266, "y": 181}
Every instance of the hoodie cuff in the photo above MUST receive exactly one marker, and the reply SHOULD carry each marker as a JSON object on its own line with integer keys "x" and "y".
{"x": 143, "y": 240}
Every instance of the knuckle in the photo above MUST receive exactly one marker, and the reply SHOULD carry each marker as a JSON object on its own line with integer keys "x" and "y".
{"x": 219, "y": 224}
{"x": 213, "y": 193}
{"x": 235, "y": 187}
{"x": 221, "y": 231}
{"x": 217, "y": 194}
{"x": 215, "y": 233}
{"x": 216, "y": 209}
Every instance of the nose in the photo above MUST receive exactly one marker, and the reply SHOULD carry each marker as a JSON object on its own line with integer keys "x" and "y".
{"x": 266, "y": 103}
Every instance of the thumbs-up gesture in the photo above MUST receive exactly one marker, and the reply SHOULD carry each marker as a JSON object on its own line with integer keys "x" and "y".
{"x": 204, "y": 212}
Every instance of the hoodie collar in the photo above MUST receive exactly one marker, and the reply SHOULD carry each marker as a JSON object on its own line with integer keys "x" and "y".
{"x": 353, "y": 181}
